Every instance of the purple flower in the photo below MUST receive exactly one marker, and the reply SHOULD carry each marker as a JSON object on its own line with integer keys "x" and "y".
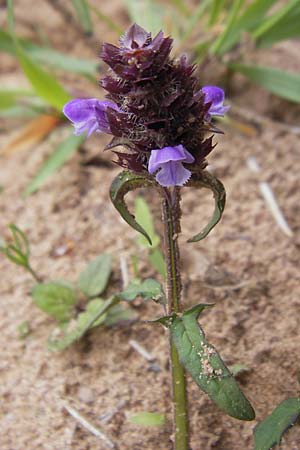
{"x": 216, "y": 96}
{"x": 89, "y": 115}
{"x": 168, "y": 161}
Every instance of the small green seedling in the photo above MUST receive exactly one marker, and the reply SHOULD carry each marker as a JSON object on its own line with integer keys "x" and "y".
{"x": 79, "y": 307}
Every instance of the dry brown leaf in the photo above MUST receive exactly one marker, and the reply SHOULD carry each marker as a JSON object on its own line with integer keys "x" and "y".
{"x": 32, "y": 133}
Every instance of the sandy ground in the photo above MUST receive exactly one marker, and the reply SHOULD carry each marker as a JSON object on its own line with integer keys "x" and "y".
{"x": 247, "y": 267}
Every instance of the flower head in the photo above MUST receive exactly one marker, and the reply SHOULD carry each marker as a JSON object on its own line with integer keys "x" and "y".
{"x": 88, "y": 115}
{"x": 168, "y": 162}
{"x": 215, "y": 96}
{"x": 155, "y": 110}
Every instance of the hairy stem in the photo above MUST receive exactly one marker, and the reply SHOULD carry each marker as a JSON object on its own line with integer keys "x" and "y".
{"x": 171, "y": 219}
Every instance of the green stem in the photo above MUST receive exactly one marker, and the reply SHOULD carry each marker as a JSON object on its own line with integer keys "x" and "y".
{"x": 33, "y": 273}
{"x": 171, "y": 219}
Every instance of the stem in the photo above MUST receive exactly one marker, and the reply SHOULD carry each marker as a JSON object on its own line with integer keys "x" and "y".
{"x": 33, "y": 273}
{"x": 171, "y": 219}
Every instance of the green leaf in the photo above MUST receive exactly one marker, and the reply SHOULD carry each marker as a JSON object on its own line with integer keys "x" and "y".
{"x": 286, "y": 28}
{"x": 20, "y": 239}
{"x": 283, "y": 84}
{"x": 94, "y": 315}
{"x": 206, "y": 367}
{"x": 14, "y": 255}
{"x": 9, "y": 97}
{"x": 147, "y": 14}
{"x": 56, "y": 299}
{"x": 106, "y": 19}
{"x": 275, "y": 18}
{"x": 250, "y": 18}
{"x": 83, "y": 13}
{"x": 208, "y": 181}
{"x": 269, "y": 432}
{"x": 144, "y": 217}
{"x": 157, "y": 260}
{"x": 44, "y": 84}
{"x": 93, "y": 280}
{"x": 148, "y": 289}
{"x": 48, "y": 56}
{"x": 148, "y": 419}
{"x": 118, "y": 314}
{"x": 63, "y": 152}
{"x": 216, "y": 8}
{"x": 221, "y": 41}
{"x": 125, "y": 182}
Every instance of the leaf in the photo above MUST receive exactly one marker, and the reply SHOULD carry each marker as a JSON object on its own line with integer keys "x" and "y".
{"x": 149, "y": 289}
{"x": 237, "y": 369}
{"x": 269, "y": 432}
{"x": 9, "y": 97}
{"x": 216, "y": 9}
{"x": 275, "y": 18}
{"x": 83, "y": 13}
{"x": 55, "y": 298}
{"x": 208, "y": 181}
{"x": 106, "y": 19}
{"x": 206, "y": 367}
{"x": 44, "y": 84}
{"x": 94, "y": 315}
{"x": 118, "y": 314}
{"x": 157, "y": 260}
{"x": 144, "y": 217}
{"x": 221, "y": 41}
{"x": 251, "y": 17}
{"x": 49, "y": 56}
{"x": 31, "y": 134}
{"x": 147, "y": 14}
{"x": 125, "y": 182}
{"x": 283, "y": 84}
{"x": 286, "y": 28}
{"x": 148, "y": 419}
{"x": 63, "y": 152}
{"x": 20, "y": 239}
{"x": 93, "y": 280}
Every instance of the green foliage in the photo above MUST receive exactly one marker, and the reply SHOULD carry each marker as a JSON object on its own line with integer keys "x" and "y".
{"x": 148, "y": 289}
{"x": 18, "y": 251}
{"x": 145, "y": 219}
{"x": 93, "y": 280}
{"x": 148, "y": 419}
{"x": 44, "y": 84}
{"x": 48, "y": 56}
{"x": 83, "y": 14}
{"x": 206, "y": 367}
{"x": 208, "y": 181}
{"x": 63, "y": 152}
{"x": 56, "y": 299}
{"x": 125, "y": 182}
{"x": 270, "y": 431}
{"x": 284, "y": 84}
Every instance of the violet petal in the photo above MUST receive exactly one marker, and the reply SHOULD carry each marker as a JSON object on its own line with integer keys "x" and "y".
{"x": 216, "y": 96}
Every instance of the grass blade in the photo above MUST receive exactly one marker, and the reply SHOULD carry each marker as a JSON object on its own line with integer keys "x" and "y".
{"x": 55, "y": 161}
{"x": 283, "y": 84}
{"x": 221, "y": 42}
{"x": 147, "y": 14}
{"x": 83, "y": 14}
{"x": 106, "y": 19}
{"x": 48, "y": 56}
{"x": 250, "y": 18}
{"x": 286, "y": 28}
{"x": 9, "y": 97}
{"x": 44, "y": 84}
{"x": 275, "y": 18}
{"x": 216, "y": 9}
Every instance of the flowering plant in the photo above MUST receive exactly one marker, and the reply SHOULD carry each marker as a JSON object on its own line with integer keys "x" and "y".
{"x": 157, "y": 112}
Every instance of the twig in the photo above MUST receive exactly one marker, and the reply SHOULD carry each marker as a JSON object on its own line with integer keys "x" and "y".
{"x": 124, "y": 271}
{"x": 141, "y": 350}
{"x": 88, "y": 426}
{"x": 270, "y": 199}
